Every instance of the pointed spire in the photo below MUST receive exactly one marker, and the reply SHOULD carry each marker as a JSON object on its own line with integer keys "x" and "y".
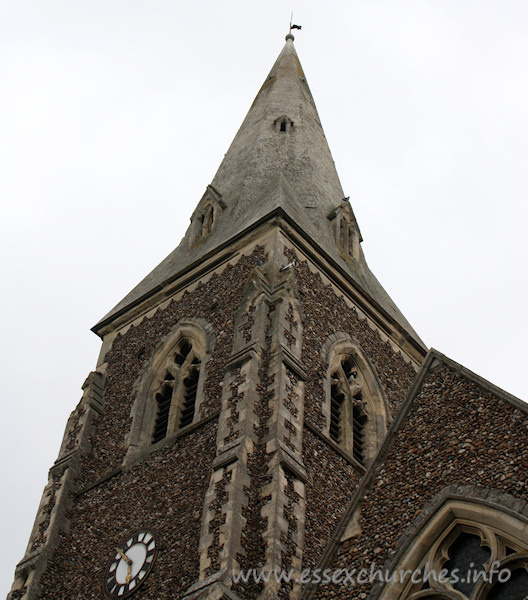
{"x": 281, "y": 133}
{"x": 278, "y": 160}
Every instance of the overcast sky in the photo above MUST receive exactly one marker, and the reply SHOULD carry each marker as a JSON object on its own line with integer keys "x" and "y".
{"x": 114, "y": 116}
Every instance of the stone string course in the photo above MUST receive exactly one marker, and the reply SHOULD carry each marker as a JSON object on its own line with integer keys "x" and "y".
{"x": 455, "y": 432}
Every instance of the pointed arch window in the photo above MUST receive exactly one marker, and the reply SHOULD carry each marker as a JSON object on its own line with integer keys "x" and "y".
{"x": 169, "y": 391}
{"x": 176, "y": 394}
{"x": 470, "y": 551}
{"x": 477, "y": 564}
{"x": 355, "y": 408}
{"x": 345, "y": 230}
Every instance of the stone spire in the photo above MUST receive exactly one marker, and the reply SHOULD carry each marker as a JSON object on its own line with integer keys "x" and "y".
{"x": 266, "y": 167}
{"x": 278, "y": 163}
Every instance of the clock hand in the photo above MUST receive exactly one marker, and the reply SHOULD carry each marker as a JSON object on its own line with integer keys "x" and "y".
{"x": 124, "y": 557}
{"x": 128, "y": 562}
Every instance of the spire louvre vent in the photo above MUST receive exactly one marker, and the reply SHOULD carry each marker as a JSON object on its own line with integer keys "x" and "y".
{"x": 206, "y": 215}
{"x": 345, "y": 230}
{"x": 283, "y": 124}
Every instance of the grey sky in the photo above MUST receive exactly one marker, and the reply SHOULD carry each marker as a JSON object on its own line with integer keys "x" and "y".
{"x": 115, "y": 115}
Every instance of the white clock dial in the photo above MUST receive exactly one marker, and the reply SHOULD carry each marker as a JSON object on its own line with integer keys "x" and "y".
{"x": 132, "y": 562}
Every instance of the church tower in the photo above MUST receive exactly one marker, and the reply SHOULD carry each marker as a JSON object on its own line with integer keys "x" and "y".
{"x": 243, "y": 389}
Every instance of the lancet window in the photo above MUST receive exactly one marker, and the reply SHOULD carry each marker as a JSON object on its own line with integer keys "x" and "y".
{"x": 348, "y": 416}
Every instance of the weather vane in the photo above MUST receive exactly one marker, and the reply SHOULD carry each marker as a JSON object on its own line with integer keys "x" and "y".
{"x": 292, "y": 26}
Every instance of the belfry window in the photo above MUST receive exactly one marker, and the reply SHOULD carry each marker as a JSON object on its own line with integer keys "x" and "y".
{"x": 169, "y": 391}
{"x": 348, "y": 414}
{"x": 355, "y": 407}
{"x": 175, "y": 396}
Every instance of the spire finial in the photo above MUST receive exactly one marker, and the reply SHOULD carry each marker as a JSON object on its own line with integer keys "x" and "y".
{"x": 292, "y": 26}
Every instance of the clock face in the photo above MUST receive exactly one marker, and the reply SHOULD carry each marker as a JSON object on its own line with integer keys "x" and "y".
{"x": 130, "y": 565}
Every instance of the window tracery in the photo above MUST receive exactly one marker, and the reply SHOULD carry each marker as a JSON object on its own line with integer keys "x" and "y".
{"x": 169, "y": 392}
{"x": 176, "y": 394}
{"x": 475, "y": 562}
{"x": 467, "y": 549}
{"x": 355, "y": 408}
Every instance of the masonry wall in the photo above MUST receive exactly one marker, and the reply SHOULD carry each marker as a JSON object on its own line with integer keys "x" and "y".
{"x": 216, "y": 301}
{"x": 333, "y": 479}
{"x": 166, "y": 490}
{"x": 331, "y": 485}
{"x": 455, "y": 433}
{"x": 165, "y": 494}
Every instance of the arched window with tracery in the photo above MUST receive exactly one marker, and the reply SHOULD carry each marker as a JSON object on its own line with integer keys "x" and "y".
{"x": 176, "y": 394}
{"x": 479, "y": 564}
{"x": 355, "y": 406}
{"x": 170, "y": 389}
{"x": 472, "y": 552}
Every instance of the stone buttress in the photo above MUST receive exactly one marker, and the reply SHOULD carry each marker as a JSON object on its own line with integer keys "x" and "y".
{"x": 53, "y": 515}
{"x": 262, "y": 408}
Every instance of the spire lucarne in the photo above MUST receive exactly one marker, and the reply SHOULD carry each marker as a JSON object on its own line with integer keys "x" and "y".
{"x": 278, "y": 163}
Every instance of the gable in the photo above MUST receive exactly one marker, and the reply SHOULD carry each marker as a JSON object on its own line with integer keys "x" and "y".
{"x": 454, "y": 428}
